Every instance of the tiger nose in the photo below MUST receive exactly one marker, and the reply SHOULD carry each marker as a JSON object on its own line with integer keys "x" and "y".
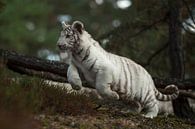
{"x": 60, "y": 46}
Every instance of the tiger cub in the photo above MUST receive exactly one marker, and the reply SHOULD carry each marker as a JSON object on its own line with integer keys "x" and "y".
{"x": 114, "y": 77}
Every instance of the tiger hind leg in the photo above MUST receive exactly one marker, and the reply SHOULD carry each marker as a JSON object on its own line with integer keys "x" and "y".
{"x": 132, "y": 107}
{"x": 151, "y": 109}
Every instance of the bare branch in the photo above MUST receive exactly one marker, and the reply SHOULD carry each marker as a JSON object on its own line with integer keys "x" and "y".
{"x": 147, "y": 27}
{"x": 188, "y": 94}
{"x": 182, "y": 93}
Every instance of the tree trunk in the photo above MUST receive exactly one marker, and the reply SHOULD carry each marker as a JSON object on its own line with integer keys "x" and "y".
{"x": 175, "y": 41}
{"x": 181, "y": 105}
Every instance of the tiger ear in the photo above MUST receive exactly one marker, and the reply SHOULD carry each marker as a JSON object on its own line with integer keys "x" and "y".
{"x": 77, "y": 25}
{"x": 64, "y": 25}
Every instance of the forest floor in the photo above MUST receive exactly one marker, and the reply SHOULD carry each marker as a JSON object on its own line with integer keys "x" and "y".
{"x": 110, "y": 120}
{"x": 28, "y": 103}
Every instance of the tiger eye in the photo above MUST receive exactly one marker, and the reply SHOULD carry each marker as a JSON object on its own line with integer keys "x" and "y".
{"x": 67, "y": 36}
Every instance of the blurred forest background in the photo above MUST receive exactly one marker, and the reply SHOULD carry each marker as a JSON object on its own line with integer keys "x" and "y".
{"x": 131, "y": 28}
{"x": 138, "y": 29}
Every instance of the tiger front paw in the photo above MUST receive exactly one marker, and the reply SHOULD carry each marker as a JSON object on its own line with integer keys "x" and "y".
{"x": 76, "y": 87}
{"x": 111, "y": 96}
{"x": 115, "y": 96}
{"x": 76, "y": 84}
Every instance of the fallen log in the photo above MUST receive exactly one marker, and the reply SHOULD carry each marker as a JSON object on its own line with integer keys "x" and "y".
{"x": 40, "y": 74}
{"x": 56, "y": 71}
{"x": 12, "y": 58}
{"x": 34, "y": 66}
{"x": 57, "y": 78}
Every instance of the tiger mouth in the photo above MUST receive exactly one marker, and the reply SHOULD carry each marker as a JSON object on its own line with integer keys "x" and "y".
{"x": 62, "y": 47}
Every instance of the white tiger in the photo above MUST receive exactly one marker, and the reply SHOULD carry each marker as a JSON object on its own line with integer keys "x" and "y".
{"x": 114, "y": 77}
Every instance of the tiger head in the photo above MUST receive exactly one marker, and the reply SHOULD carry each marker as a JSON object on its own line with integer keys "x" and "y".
{"x": 69, "y": 36}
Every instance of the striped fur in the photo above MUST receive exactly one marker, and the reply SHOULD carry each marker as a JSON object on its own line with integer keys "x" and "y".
{"x": 114, "y": 77}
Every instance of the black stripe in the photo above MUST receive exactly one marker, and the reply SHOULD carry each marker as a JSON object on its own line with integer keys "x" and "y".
{"x": 158, "y": 95}
{"x": 68, "y": 29}
{"x": 146, "y": 96}
{"x": 73, "y": 55}
{"x": 128, "y": 89}
{"x": 163, "y": 97}
{"x": 75, "y": 36}
{"x": 125, "y": 72}
{"x": 169, "y": 97}
{"x": 91, "y": 67}
{"x": 119, "y": 83}
{"x": 152, "y": 103}
{"x": 140, "y": 95}
{"x": 86, "y": 54}
{"x": 79, "y": 52}
{"x": 131, "y": 78}
{"x": 122, "y": 69}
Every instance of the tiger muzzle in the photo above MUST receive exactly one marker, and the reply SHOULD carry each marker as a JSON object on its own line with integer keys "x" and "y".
{"x": 62, "y": 47}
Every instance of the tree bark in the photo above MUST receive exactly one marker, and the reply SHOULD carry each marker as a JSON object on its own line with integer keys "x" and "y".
{"x": 13, "y": 58}
{"x": 39, "y": 74}
{"x": 175, "y": 41}
{"x": 181, "y": 105}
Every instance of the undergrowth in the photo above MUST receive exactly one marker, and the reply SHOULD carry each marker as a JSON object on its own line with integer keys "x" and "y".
{"x": 34, "y": 95}
{"x": 29, "y": 103}
{"x": 22, "y": 96}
